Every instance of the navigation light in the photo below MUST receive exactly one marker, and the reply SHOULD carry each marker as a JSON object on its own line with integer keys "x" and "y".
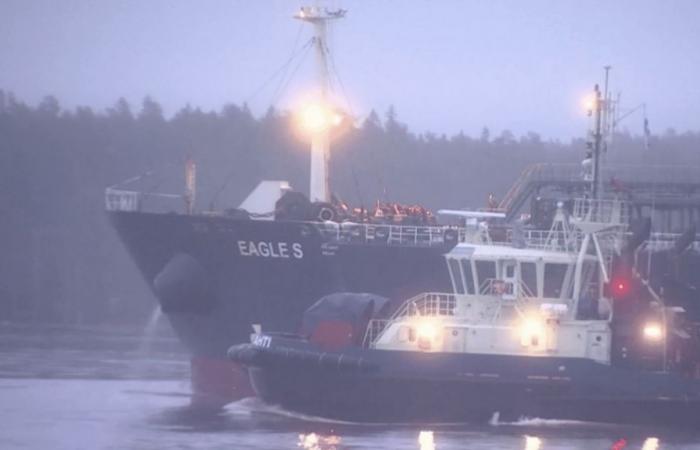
{"x": 653, "y": 331}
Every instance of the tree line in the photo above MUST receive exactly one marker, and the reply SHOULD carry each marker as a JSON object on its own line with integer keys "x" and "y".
{"x": 61, "y": 261}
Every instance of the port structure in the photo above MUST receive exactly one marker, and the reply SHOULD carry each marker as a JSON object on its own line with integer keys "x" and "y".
{"x": 665, "y": 189}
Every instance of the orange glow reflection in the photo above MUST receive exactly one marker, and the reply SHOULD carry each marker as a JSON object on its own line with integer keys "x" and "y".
{"x": 313, "y": 441}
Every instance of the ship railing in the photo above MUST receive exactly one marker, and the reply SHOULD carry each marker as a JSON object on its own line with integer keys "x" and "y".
{"x": 428, "y": 304}
{"x": 120, "y": 200}
{"x": 375, "y": 327}
{"x": 667, "y": 241}
{"x": 414, "y": 235}
{"x": 563, "y": 172}
{"x": 600, "y": 211}
{"x": 132, "y": 201}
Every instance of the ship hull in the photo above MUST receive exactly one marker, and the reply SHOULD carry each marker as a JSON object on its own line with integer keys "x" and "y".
{"x": 214, "y": 277}
{"x": 361, "y": 385}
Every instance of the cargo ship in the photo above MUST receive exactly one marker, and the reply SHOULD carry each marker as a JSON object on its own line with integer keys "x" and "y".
{"x": 215, "y": 273}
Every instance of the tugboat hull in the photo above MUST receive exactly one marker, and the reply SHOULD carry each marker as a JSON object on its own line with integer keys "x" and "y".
{"x": 363, "y": 385}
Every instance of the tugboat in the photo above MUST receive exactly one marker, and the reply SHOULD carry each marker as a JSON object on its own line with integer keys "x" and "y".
{"x": 542, "y": 326}
{"x": 558, "y": 323}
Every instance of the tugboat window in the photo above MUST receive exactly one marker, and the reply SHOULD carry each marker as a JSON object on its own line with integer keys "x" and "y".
{"x": 485, "y": 270}
{"x": 456, "y": 276}
{"x": 468, "y": 276}
{"x": 528, "y": 275}
{"x": 553, "y": 279}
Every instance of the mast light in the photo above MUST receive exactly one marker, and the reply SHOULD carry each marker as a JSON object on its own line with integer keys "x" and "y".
{"x": 316, "y": 118}
{"x": 589, "y": 104}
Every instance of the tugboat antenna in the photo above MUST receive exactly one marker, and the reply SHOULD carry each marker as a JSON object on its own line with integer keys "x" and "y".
{"x": 597, "y": 141}
{"x": 603, "y": 120}
{"x": 319, "y": 190}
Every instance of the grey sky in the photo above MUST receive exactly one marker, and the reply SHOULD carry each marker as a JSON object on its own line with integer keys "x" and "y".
{"x": 446, "y": 66}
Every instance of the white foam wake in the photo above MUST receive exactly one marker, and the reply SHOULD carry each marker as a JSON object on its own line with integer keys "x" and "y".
{"x": 253, "y": 405}
{"x": 539, "y": 422}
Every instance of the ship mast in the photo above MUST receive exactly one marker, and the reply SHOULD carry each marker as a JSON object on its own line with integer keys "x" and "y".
{"x": 603, "y": 118}
{"x": 597, "y": 144}
{"x": 319, "y": 189}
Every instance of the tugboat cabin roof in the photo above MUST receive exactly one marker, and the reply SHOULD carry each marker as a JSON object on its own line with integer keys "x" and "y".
{"x": 502, "y": 252}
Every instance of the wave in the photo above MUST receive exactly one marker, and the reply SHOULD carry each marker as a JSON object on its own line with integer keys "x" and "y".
{"x": 540, "y": 422}
{"x": 253, "y": 405}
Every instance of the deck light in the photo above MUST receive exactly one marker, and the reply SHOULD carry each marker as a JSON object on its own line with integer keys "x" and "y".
{"x": 653, "y": 331}
{"x": 532, "y": 332}
{"x": 426, "y": 332}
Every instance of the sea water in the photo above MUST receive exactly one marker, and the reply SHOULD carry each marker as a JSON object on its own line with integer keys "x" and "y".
{"x": 99, "y": 389}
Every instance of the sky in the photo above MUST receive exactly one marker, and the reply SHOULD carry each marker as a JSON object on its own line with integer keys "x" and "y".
{"x": 445, "y": 66}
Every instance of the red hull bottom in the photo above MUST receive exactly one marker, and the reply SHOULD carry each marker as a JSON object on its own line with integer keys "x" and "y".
{"x": 216, "y": 382}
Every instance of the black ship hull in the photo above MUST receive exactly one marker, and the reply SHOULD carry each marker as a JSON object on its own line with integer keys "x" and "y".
{"x": 215, "y": 276}
{"x": 363, "y": 385}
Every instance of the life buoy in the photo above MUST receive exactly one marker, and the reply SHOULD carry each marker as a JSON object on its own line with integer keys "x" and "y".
{"x": 323, "y": 212}
{"x": 326, "y": 214}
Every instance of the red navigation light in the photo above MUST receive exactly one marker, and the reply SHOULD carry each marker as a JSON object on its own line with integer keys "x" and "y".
{"x": 621, "y": 287}
{"x": 619, "y": 444}
{"x": 618, "y": 288}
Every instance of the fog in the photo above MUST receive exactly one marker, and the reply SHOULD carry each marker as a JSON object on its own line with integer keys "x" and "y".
{"x": 446, "y": 67}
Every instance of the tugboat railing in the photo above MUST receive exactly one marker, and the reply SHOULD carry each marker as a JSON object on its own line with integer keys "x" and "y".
{"x": 375, "y": 327}
{"x": 602, "y": 211}
{"x": 428, "y": 304}
{"x": 543, "y": 239}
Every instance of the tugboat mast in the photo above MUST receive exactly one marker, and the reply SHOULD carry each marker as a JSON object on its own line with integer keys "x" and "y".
{"x": 319, "y": 190}
{"x": 596, "y": 187}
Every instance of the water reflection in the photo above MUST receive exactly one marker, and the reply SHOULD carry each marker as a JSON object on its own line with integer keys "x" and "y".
{"x": 313, "y": 441}
{"x": 426, "y": 440}
{"x": 532, "y": 443}
{"x": 650, "y": 443}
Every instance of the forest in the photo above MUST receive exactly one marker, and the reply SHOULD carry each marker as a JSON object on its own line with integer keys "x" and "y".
{"x": 62, "y": 263}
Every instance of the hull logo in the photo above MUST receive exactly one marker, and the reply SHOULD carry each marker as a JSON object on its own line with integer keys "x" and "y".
{"x": 263, "y": 249}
